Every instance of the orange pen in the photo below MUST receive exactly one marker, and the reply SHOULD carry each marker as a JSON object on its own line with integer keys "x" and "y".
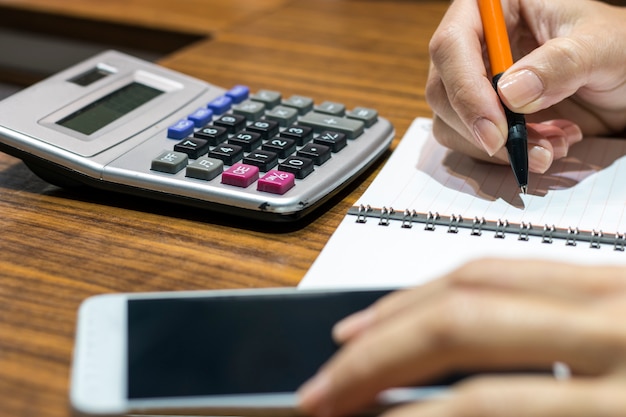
{"x": 500, "y": 59}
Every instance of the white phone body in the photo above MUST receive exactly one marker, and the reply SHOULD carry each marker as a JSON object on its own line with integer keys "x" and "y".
{"x": 118, "y": 335}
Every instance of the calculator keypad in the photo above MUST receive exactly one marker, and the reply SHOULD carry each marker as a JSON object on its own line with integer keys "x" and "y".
{"x": 241, "y": 139}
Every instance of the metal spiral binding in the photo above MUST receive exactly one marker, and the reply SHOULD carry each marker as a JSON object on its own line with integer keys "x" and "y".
{"x": 477, "y": 226}
{"x": 572, "y": 235}
{"x": 501, "y": 228}
{"x": 548, "y": 234}
{"x": 407, "y": 220}
{"x": 454, "y": 224}
{"x": 385, "y": 214}
{"x": 524, "y": 231}
{"x": 362, "y": 214}
{"x": 431, "y": 221}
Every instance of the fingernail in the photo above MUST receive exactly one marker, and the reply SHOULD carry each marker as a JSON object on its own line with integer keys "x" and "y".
{"x": 560, "y": 146}
{"x": 352, "y": 325}
{"x": 520, "y": 88}
{"x": 312, "y": 393}
{"x": 539, "y": 159}
{"x": 573, "y": 134}
{"x": 489, "y": 136}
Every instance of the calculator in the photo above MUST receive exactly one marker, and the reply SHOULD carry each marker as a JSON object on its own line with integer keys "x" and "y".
{"x": 119, "y": 123}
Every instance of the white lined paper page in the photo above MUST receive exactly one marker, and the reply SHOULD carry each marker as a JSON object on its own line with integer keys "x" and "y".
{"x": 585, "y": 191}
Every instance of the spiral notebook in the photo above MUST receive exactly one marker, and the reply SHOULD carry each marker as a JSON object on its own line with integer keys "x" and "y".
{"x": 431, "y": 209}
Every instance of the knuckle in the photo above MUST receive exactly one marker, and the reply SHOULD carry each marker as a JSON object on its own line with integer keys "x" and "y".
{"x": 435, "y": 92}
{"x": 454, "y": 318}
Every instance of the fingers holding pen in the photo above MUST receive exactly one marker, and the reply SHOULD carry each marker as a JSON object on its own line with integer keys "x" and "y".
{"x": 458, "y": 88}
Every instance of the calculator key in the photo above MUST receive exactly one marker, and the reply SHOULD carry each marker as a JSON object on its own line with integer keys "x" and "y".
{"x": 193, "y": 147}
{"x": 318, "y": 153}
{"x": 270, "y": 98}
{"x": 212, "y": 134}
{"x": 247, "y": 140}
{"x": 367, "y": 116}
{"x": 240, "y": 175}
{"x": 180, "y": 130}
{"x": 252, "y": 110}
{"x": 170, "y": 162}
{"x": 232, "y": 122}
{"x": 319, "y": 122}
{"x": 264, "y": 160}
{"x": 283, "y": 115}
{"x": 301, "y": 103}
{"x": 330, "y": 107}
{"x": 201, "y": 117}
{"x": 205, "y": 168}
{"x": 276, "y": 182}
{"x": 337, "y": 141}
{"x": 282, "y": 146}
{"x": 238, "y": 93}
{"x": 266, "y": 128}
{"x": 301, "y": 134}
{"x": 220, "y": 105}
{"x": 297, "y": 165}
{"x": 227, "y": 153}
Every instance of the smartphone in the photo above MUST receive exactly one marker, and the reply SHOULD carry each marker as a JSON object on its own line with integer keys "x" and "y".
{"x": 220, "y": 352}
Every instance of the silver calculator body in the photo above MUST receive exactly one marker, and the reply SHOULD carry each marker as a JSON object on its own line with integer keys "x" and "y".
{"x": 109, "y": 122}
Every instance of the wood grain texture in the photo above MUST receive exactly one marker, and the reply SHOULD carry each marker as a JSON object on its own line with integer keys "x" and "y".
{"x": 186, "y": 16}
{"x": 58, "y": 246}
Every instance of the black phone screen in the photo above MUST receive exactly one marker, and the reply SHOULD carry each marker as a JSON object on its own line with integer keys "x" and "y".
{"x": 224, "y": 345}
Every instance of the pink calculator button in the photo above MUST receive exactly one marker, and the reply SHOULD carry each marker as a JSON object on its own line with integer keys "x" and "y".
{"x": 240, "y": 175}
{"x": 276, "y": 182}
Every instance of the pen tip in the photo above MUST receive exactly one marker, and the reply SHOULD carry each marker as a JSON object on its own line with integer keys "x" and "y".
{"x": 524, "y": 189}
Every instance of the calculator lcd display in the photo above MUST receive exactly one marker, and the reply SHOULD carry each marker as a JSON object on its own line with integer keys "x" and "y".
{"x": 109, "y": 108}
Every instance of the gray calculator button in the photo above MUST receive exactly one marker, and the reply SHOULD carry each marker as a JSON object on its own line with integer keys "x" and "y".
{"x": 252, "y": 110}
{"x": 205, "y": 168}
{"x": 283, "y": 115}
{"x": 368, "y": 116}
{"x": 319, "y": 122}
{"x": 170, "y": 162}
{"x": 270, "y": 98}
{"x": 330, "y": 107}
{"x": 301, "y": 103}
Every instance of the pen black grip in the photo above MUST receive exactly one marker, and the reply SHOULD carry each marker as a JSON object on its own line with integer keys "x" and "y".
{"x": 517, "y": 141}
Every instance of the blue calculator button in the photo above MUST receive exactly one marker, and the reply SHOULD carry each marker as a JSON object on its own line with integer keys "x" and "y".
{"x": 201, "y": 117}
{"x": 220, "y": 104}
{"x": 238, "y": 93}
{"x": 180, "y": 130}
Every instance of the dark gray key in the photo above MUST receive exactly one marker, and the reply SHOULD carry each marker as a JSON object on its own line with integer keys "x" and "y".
{"x": 270, "y": 98}
{"x": 205, "y": 168}
{"x": 320, "y": 122}
{"x": 283, "y": 115}
{"x": 330, "y": 107}
{"x": 301, "y": 103}
{"x": 170, "y": 162}
{"x": 368, "y": 116}
{"x": 252, "y": 110}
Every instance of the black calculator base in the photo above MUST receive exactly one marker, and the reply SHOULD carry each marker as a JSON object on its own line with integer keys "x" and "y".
{"x": 69, "y": 179}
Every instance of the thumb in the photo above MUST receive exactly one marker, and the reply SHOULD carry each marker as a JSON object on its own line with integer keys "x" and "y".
{"x": 560, "y": 68}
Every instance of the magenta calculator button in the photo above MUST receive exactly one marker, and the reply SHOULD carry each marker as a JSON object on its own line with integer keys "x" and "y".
{"x": 240, "y": 175}
{"x": 276, "y": 182}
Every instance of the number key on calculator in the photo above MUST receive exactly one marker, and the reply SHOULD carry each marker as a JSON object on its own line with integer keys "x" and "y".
{"x": 123, "y": 124}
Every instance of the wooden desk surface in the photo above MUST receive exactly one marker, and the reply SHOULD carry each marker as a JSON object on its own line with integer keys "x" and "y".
{"x": 58, "y": 247}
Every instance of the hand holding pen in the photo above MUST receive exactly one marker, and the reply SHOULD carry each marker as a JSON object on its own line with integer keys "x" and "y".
{"x": 568, "y": 78}
{"x": 501, "y": 59}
